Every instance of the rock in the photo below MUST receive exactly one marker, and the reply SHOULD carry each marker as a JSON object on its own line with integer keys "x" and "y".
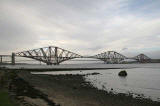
{"x": 95, "y": 73}
{"x": 122, "y": 73}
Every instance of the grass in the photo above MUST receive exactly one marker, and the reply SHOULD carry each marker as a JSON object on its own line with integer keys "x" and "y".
{"x": 4, "y": 98}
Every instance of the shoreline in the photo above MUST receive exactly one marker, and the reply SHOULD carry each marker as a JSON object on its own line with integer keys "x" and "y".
{"x": 58, "y": 69}
{"x": 68, "y": 90}
{"x": 20, "y": 92}
{"x": 70, "y": 67}
{"x": 63, "y": 89}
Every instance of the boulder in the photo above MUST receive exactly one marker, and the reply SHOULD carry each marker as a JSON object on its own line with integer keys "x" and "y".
{"x": 122, "y": 73}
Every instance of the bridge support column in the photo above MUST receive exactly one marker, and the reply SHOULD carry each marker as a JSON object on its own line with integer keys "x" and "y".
{"x": 1, "y": 60}
{"x": 13, "y": 58}
{"x": 56, "y": 56}
{"x": 50, "y": 54}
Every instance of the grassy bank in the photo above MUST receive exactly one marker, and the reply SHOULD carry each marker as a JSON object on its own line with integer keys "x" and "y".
{"x": 14, "y": 91}
{"x": 5, "y": 99}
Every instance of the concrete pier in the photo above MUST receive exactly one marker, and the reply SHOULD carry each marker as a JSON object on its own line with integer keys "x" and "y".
{"x": 13, "y": 58}
{"x": 1, "y": 59}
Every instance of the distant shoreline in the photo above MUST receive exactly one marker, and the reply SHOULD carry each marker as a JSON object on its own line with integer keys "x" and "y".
{"x": 58, "y": 69}
{"x": 70, "y": 67}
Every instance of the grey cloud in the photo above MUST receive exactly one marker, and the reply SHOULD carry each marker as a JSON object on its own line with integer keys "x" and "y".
{"x": 82, "y": 25}
{"x": 123, "y": 49}
{"x": 153, "y": 54}
{"x": 14, "y": 34}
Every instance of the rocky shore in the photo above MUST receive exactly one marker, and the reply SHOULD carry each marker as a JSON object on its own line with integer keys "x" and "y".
{"x": 65, "y": 90}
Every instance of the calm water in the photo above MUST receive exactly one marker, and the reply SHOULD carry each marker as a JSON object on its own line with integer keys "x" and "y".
{"x": 139, "y": 80}
{"x": 143, "y": 80}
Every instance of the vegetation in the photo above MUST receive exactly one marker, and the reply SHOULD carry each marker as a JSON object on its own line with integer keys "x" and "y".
{"x": 4, "y": 98}
{"x": 13, "y": 89}
{"x": 5, "y": 78}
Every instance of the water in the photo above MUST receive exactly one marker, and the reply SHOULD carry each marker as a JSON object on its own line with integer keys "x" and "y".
{"x": 144, "y": 79}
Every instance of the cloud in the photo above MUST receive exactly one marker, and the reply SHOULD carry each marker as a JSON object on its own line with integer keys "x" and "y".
{"x": 123, "y": 49}
{"x": 86, "y": 27}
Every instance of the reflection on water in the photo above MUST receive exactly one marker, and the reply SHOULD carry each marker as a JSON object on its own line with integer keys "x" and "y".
{"x": 141, "y": 80}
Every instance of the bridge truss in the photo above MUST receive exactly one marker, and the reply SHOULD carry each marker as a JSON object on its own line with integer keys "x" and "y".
{"x": 55, "y": 55}
{"x": 49, "y": 55}
{"x": 110, "y": 57}
{"x": 142, "y": 58}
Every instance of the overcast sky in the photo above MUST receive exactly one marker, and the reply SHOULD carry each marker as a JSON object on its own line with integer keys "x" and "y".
{"x": 86, "y": 27}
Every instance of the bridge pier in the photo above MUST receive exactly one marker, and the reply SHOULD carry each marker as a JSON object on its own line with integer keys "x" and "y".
{"x": 48, "y": 63}
{"x": 52, "y": 63}
{"x": 13, "y": 58}
{"x": 56, "y": 55}
{"x": 1, "y": 60}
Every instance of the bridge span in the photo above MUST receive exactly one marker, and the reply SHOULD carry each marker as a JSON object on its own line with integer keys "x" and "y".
{"x": 55, "y": 55}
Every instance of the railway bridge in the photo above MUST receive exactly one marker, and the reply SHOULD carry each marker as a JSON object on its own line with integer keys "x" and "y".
{"x": 53, "y": 55}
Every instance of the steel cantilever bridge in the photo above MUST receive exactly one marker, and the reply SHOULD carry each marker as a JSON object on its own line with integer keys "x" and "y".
{"x": 55, "y": 55}
{"x": 49, "y": 55}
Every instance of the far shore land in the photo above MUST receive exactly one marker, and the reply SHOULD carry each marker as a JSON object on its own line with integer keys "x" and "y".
{"x": 62, "y": 90}
{"x": 70, "y": 67}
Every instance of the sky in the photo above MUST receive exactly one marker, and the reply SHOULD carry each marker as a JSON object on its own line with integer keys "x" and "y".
{"x": 86, "y": 27}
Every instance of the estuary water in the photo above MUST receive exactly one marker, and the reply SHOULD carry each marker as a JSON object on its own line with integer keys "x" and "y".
{"x": 142, "y": 79}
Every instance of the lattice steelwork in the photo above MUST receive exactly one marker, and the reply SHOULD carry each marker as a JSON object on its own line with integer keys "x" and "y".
{"x": 55, "y": 55}
{"x": 110, "y": 57}
{"x": 49, "y": 55}
{"x": 142, "y": 58}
